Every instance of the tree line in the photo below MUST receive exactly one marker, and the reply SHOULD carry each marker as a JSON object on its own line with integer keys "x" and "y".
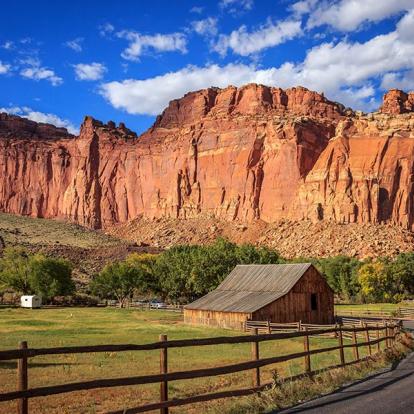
{"x": 184, "y": 273}
{"x": 29, "y": 274}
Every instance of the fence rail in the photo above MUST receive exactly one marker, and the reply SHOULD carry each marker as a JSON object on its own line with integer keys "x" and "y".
{"x": 147, "y": 306}
{"x": 271, "y": 327}
{"x": 386, "y": 332}
{"x": 400, "y": 313}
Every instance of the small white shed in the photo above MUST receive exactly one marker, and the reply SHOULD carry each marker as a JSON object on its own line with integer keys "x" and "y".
{"x": 30, "y": 301}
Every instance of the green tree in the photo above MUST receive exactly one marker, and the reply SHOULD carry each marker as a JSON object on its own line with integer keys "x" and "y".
{"x": 375, "y": 281}
{"x": 51, "y": 277}
{"x": 118, "y": 280}
{"x": 187, "y": 272}
{"x": 28, "y": 274}
{"x": 15, "y": 270}
{"x": 175, "y": 273}
{"x": 144, "y": 264}
{"x": 247, "y": 254}
{"x": 402, "y": 272}
{"x": 341, "y": 273}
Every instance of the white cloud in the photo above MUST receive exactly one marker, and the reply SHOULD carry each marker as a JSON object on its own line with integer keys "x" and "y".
{"x": 4, "y": 68}
{"x": 138, "y": 97}
{"x": 399, "y": 80}
{"x": 75, "y": 44}
{"x": 347, "y": 15}
{"x": 302, "y": 7}
{"x": 89, "y": 71}
{"x": 36, "y": 116}
{"x": 106, "y": 29}
{"x": 405, "y": 27}
{"x": 37, "y": 72}
{"x": 205, "y": 27}
{"x": 26, "y": 40}
{"x": 197, "y": 9}
{"x": 7, "y": 45}
{"x": 150, "y": 96}
{"x": 236, "y": 5}
{"x": 139, "y": 44}
{"x": 245, "y": 43}
{"x": 345, "y": 71}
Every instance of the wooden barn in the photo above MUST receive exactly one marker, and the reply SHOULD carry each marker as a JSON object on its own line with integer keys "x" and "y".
{"x": 279, "y": 293}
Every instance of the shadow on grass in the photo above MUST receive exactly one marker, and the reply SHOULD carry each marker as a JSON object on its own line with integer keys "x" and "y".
{"x": 13, "y": 364}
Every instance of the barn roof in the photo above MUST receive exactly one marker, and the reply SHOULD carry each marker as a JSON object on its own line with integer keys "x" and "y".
{"x": 251, "y": 287}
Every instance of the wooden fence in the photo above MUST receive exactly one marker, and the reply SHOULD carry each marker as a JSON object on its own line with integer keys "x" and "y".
{"x": 401, "y": 313}
{"x": 271, "y": 327}
{"x": 382, "y": 333}
{"x": 148, "y": 306}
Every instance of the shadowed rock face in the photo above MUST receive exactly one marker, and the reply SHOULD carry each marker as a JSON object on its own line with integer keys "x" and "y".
{"x": 235, "y": 153}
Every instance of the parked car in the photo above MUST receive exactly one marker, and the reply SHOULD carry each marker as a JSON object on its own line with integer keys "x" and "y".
{"x": 157, "y": 304}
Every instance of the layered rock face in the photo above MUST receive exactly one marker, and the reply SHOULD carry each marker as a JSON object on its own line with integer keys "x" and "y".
{"x": 246, "y": 153}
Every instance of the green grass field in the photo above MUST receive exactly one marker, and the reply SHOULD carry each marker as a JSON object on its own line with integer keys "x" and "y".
{"x": 88, "y": 326}
{"x": 372, "y": 307}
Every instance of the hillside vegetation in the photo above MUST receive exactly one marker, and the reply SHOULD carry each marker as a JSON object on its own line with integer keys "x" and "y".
{"x": 87, "y": 250}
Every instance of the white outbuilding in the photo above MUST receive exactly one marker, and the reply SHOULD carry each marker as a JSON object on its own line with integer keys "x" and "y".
{"x": 31, "y": 301}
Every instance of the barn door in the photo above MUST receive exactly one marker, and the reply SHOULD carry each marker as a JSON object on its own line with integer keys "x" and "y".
{"x": 314, "y": 308}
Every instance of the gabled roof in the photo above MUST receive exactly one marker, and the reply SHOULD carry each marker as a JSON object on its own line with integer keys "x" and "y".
{"x": 249, "y": 288}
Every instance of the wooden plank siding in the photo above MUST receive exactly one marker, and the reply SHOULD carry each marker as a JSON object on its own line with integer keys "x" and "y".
{"x": 229, "y": 320}
{"x": 296, "y": 305}
{"x": 293, "y": 307}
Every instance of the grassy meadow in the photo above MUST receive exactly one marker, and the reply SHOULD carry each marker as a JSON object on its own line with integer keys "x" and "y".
{"x": 20, "y": 230}
{"x": 372, "y": 307}
{"x": 89, "y": 326}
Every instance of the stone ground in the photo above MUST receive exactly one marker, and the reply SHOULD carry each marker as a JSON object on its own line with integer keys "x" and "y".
{"x": 291, "y": 239}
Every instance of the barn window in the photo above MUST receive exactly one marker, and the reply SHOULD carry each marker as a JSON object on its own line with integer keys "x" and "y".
{"x": 314, "y": 302}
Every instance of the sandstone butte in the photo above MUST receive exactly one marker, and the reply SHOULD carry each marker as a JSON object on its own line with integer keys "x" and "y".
{"x": 243, "y": 154}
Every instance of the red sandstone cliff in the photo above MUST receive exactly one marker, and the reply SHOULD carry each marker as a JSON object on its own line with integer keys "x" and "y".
{"x": 234, "y": 153}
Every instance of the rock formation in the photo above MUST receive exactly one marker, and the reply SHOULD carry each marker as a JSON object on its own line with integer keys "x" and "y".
{"x": 246, "y": 153}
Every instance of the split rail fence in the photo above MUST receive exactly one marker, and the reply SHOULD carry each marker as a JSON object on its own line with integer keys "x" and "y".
{"x": 400, "y": 313}
{"x": 373, "y": 337}
{"x": 149, "y": 306}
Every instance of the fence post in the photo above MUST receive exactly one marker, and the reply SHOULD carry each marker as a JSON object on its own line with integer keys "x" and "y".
{"x": 269, "y": 328}
{"x": 164, "y": 370}
{"x": 22, "y": 381}
{"x": 387, "y": 342}
{"x": 299, "y": 325}
{"x": 378, "y": 337}
{"x": 368, "y": 339}
{"x": 306, "y": 348}
{"x": 255, "y": 357}
{"x": 355, "y": 343}
{"x": 341, "y": 344}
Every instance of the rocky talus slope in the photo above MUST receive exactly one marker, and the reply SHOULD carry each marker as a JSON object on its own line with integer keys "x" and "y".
{"x": 301, "y": 238}
{"x": 241, "y": 156}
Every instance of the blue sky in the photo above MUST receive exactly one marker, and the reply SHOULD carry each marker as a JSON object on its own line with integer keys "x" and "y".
{"x": 124, "y": 60}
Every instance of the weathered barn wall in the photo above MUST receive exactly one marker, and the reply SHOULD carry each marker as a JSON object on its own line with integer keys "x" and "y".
{"x": 230, "y": 320}
{"x": 293, "y": 307}
{"x": 296, "y": 305}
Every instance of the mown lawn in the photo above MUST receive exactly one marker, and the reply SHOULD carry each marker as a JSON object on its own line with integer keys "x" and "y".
{"x": 89, "y": 326}
{"x": 372, "y": 307}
